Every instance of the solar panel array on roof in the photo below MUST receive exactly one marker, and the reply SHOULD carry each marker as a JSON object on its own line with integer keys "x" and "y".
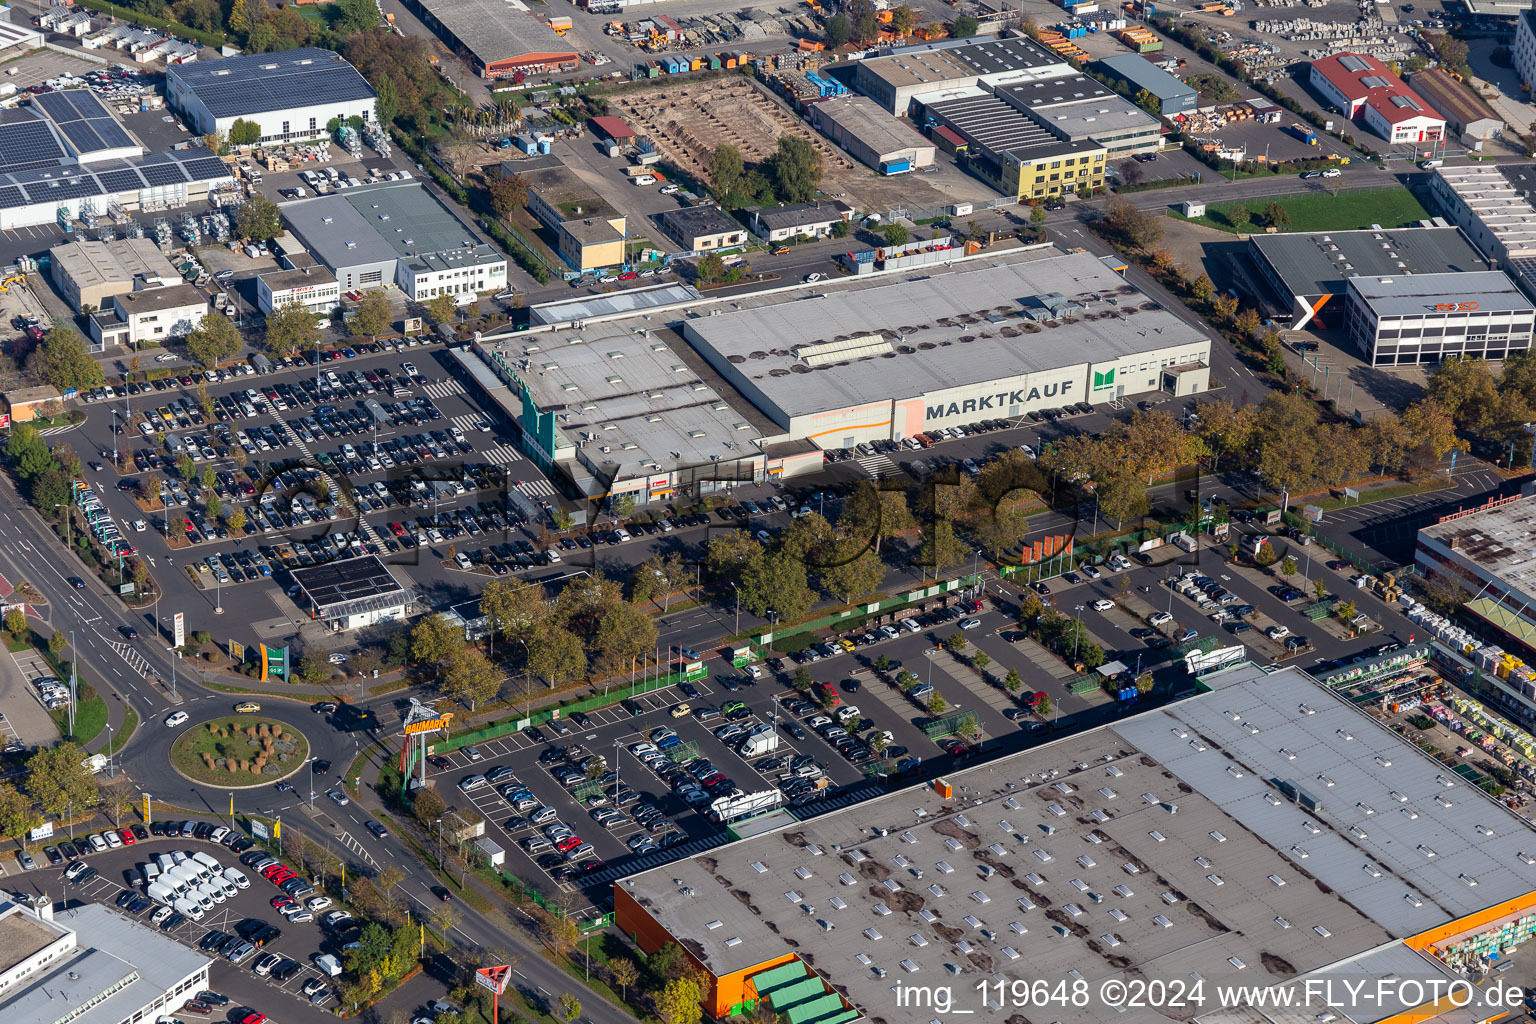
{"x": 84, "y": 119}
{"x": 260, "y": 82}
{"x": 55, "y": 184}
{"x": 206, "y": 167}
{"x": 121, "y": 181}
{"x": 164, "y": 174}
{"x": 29, "y": 144}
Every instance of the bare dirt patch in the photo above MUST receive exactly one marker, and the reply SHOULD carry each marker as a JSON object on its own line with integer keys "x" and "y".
{"x": 687, "y": 122}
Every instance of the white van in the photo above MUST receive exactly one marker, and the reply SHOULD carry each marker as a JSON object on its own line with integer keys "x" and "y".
{"x": 188, "y": 909}
{"x": 208, "y": 861}
{"x": 236, "y": 876}
{"x": 161, "y": 893}
{"x": 327, "y": 964}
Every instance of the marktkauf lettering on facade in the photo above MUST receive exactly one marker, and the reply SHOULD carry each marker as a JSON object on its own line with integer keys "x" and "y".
{"x": 994, "y": 339}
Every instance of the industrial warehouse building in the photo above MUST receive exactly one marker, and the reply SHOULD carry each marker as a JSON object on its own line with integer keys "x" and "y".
{"x": 1308, "y": 273}
{"x": 1078, "y": 109}
{"x": 501, "y": 40}
{"x": 870, "y": 135}
{"x": 44, "y": 178}
{"x": 1172, "y": 95}
{"x": 647, "y": 398}
{"x": 291, "y": 96}
{"x": 1486, "y": 555}
{"x": 1424, "y": 318}
{"x": 398, "y": 233}
{"x": 1364, "y": 89}
{"x": 874, "y": 359}
{"x": 1015, "y": 154}
{"x": 1467, "y": 115}
{"x": 91, "y": 965}
{"x": 622, "y": 409}
{"x": 1492, "y": 210}
{"x": 90, "y": 273}
{"x": 896, "y": 76}
{"x": 1265, "y": 830}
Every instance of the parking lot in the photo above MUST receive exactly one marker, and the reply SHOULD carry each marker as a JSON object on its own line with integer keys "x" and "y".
{"x": 273, "y": 976}
{"x": 384, "y": 436}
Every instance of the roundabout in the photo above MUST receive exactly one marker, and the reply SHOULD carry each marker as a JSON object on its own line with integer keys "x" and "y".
{"x": 239, "y": 752}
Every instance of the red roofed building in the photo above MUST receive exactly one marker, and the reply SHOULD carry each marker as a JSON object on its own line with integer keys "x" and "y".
{"x": 1367, "y": 90}
{"x": 614, "y": 128}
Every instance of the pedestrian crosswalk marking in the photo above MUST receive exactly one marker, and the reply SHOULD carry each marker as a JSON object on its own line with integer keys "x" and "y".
{"x": 876, "y": 465}
{"x": 443, "y": 389}
{"x": 536, "y": 488}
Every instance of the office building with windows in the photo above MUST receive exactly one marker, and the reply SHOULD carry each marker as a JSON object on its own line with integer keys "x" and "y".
{"x": 1424, "y": 318}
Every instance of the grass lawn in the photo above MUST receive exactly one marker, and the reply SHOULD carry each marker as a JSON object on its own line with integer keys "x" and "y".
{"x": 1318, "y": 211}
{"x": 120, "y": 738}
{"x": 225, "y": 741}
{"x": 90, "y": 716}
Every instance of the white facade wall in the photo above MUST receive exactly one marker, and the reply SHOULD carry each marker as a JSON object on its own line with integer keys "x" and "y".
{"x": 821, "y": 229}
{"x": 175, "y": 322}
{"x": 292, "y": 124}
{"x": 1524, "y": 51}
{"x": 1331, "y": 92}
{"x": 463, "y": 283}
{"x": 1412, "y": 129}
{"x": 317, "y": 298}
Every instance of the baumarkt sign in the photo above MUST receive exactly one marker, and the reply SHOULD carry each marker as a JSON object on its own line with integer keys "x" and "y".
{"x": 431, "y": 725}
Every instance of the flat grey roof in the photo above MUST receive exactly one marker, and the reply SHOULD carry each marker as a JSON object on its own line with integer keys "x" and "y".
{"x": 592, "y": 230}
{"x": 691, "y": 221}
{"x": 1159, "y": 845}
{"x": 114, "y": 951}
{"x": 493, "y": 31}
{"x": 935, "y": 322}
{"x": 1049, "y": 92}
{"x": 91, "y": 264}
{"x": 1413, "y": 294}
{"x": 1135, "y": 68}
{"x": 1313, "y": 263}
{"x": 385, "y": 221}
{"x": 866, "y": 121}
{"x": 281, "y": 280}
{"x": 1097, "y": 118}
{"x": 21, "y": 935}
{"x": 954, "y": 60}
{"x": 1496, "y": 196}
{"x": 629, "y": 391}
{"x": 1501, "y": 541}
{"x": 170, "y": 297}
{"x": 256, "y": 83}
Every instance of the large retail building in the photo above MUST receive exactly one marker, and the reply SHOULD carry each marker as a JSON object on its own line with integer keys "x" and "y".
{"x": 644, "y": 401}
{"x": 1265, "y": 832}
{"x": 888, "y": 358}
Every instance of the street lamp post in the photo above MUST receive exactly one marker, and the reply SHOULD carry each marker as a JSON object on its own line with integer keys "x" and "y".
{"x": 737, "y": 591}
{"x": 111, "y": 768}
{"x": 1077, "y": 634}
{"x": 311, "y": 782}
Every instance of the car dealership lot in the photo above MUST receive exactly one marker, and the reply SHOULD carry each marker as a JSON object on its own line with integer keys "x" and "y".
{"x": 119, "y": 870}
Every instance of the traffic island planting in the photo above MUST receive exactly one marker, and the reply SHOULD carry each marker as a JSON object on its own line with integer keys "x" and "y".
{"x": 239, "y": 751}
